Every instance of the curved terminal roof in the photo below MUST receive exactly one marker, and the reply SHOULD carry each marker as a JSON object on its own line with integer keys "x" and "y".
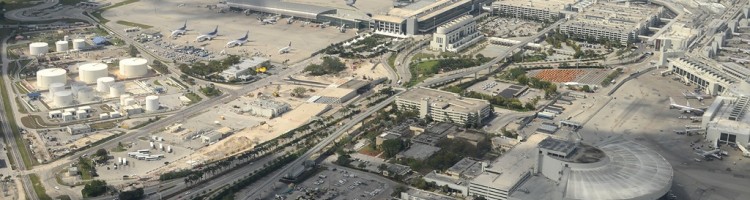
{"x": 279, "y": 7}
{"x": 633, "y": 172}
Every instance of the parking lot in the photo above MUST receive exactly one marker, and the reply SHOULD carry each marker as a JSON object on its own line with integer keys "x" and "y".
{"x": 340, "y": 183}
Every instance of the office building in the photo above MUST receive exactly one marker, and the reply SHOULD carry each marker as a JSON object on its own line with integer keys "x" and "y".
{"x": 444, "y": 106}
{"x": 456, "y": 35}
{"x": 536, "y": 10}
{"x": 266, "y": 108}
{"x": 76, "y": 129}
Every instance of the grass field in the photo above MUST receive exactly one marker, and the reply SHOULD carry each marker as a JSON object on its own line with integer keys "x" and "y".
{"x": 194, "y": 98}
{"x": 392, "y": 60}
{"x": 39, "y": 188}
{"x": 133, "y": 24}
{"x": 104, "y": 125}
{"x": 20, "y": 142}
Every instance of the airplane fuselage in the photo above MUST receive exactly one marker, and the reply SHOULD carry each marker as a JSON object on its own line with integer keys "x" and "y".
{"x": 202, "y": 38}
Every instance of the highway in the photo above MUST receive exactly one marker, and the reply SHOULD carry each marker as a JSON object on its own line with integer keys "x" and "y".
{"x": 497, "y": 59}
{"x": 403, "y": 60}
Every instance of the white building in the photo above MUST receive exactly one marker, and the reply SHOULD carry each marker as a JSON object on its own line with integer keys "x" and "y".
{"x": 76, "y": 129}
{"x": 599, "y": 22}
{"x": 710, "y": 79}
{"x": 244, "y": 68}
{"x": 444, "y": 106}
{"x": 456, "y": 35}
{"x": 537, "y": 10}
{"x": 266, "y": 108}
{"x": 726, "y": 120}
{"x": 419, "y": 17}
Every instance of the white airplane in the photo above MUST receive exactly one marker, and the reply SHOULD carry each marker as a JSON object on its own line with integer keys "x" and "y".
{"x": 686, "y": 108}
{"x": 290, "y": 20}
{"x": 208, "y": 36}
{"x": 739, "y": 60}
{"x": 269, "y": 20}
{"x": 713, "y": 153}
{"x": 238, "y": 42}
{"x": 179, "y": 31}
{"x": 325, "y": 24}
{"x": 342, "y": 28}
{"x": 694, "y": 95}
{"x": 286, "y": 49}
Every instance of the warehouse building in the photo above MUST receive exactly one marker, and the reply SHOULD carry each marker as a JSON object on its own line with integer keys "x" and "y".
{"x": 444, "y": 106}
{"x": 420, "y": 17}
{"x": 711, "y": 80}
{"x": 456, "y": 35}
{"x": 266, "y": 108}
{"x": 726, "y": 119}
{"x": 244, "y": 68}
{"x": 76, "y": 129}
{"x": 613, "y": 21}
{"x": 536, "y": 10}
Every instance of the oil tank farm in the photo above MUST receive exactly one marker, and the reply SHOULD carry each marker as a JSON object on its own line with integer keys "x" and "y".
{"x": 38, "y": 48}
{"x": 45, "y": 77}
{"x": 133, "y": 67}
{"x": 90, "y": 72}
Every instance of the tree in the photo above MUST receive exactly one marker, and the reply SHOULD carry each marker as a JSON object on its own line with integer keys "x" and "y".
{"x": 361, "y": 165}
{"x": 391, "y": 147}
{"x": 382, "y": 167}
{"x": 132, "y": 51}
{"x": 299, "y": 92}
{"x": 586, "y": 88}
{"x": 102, "y": 153}
{"x": 132, "y": 194}
{"x": 94, "y": 188}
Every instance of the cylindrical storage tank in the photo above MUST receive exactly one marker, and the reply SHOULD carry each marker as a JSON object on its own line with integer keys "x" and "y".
{"x": 61, "y": 46}
{"x": 129, "y": 102}
{"x": 103, "y": 83}
{"x": 116, "y": 90}
{"x": 152, "y": 103}
{"x": 124, "y": 97}
{"x": 63, "y": 98}
{"x": 45, "y": 77}
{"x": 89, "y": 72}
{"x": 38, "y": 48}
{"x": 133, "y": 67}
{"x": 75, "y": 86}
{"x": 56, "y": 87}
{"x": 85, "y": 94}
{"x": 79, "y": 44}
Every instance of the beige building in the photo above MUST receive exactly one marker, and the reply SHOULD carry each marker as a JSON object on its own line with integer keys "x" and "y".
{"x": 613, "y": 21}
{"x": 456, "y": 35}
{"x": 266, "y": 108}
{"x": 444, "y": 106}
{"x": 712, "y": 80}
{"x": 537, "y": 10}
{"x": 726, "y": 120}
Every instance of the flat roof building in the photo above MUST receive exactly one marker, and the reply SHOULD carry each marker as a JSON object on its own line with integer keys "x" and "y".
{"x": 444, "y": 106}
{"x": 76, "y": 129}
{"x": 711, "y": 80}
{"x": 536, "y": 10}
{"x": 726, "y": 119}
{"x": 420, "y": 17}
{"x": 244, "y": 68}
{"x": 613, "y": 21}
{"x": 266, "y": 108}
{"x": 503, "y": 176}
{"x": 456, "y": 35}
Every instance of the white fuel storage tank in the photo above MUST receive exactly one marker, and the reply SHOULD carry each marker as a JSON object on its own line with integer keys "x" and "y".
{"x": 61, "y": 46}
{"x": 152, "y": 103}
{"x": 55, "y": 87}
{"x": 45, "y": 77}
{"x": 63, "y": 98}
{"x": 89, "y": 72}
{"x": 79, "y": 44}
{"x": 103, "y": 83}
{"x": 86, "y": 94}
{"x": 116, "y": 89}
{"x": 133, "y": 67}
{"x": 38, "y": 48}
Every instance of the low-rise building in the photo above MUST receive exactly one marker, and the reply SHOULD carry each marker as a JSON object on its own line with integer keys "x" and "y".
{"x": 244, "y": 68}
{"x": 458, "y": 176}
{"x": 76, "y": 129}
{"x": 444, "y": 106}
{"x": 266, "y": 108}
{"x": 726, "y": 120}
{"x": 710, "y": 79}
{"x": 211, "y": 137}
{"x": 599, "y": 22}
{"x": 456, "y": 35}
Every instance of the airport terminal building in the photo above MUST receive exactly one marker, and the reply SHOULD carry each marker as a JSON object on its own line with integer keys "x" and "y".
{"x": 313, "y": 13}
{"x": 711, "y": 80}
{"x": 726, "y": 120}
{"x": 420, "y": 17}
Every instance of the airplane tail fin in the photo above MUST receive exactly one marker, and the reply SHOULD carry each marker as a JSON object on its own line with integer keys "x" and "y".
{"x": 290, "y": 44}
{"x": 671, "y": 101}
{"x": 688, "y": 103}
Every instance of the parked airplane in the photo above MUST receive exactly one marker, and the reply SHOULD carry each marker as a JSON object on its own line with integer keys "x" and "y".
{"x": 686, "y": 108}
{"x": 286, "y": 49}
{"x": 694, "y": 95}
{"x": 179, "y": 31}
{"x": 208, "y": 36}
{"x": 325, "y": 24}
{"x": 745, "y": 50}
{"x": 269, "y": 20}
{"x": 238, "y": 42}
{"x": 713, "y": 153}
{"x": 290, "y": 20}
